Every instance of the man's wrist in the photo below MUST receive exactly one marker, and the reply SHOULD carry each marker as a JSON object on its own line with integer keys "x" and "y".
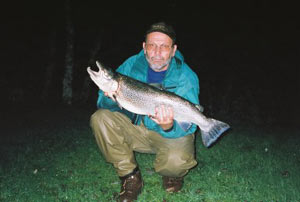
{"x": 169, "y": 129}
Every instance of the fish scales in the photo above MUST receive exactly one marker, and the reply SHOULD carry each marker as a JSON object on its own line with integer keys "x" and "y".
{"x": 139, "y": 98}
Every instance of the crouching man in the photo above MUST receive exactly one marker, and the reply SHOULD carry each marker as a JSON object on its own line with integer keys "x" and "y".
{"x": 119, "y": 133}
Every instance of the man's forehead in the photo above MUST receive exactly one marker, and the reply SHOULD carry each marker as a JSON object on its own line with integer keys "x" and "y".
{"x": 158, "y": 37}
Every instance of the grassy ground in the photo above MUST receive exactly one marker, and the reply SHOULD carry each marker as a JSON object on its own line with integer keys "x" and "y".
{"x": 52, "y": 156}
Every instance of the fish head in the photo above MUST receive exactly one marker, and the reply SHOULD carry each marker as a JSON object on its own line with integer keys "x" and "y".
{"x": 104, "y": 78}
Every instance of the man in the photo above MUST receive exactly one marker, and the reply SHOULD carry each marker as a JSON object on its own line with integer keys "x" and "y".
{"x": 119, "y": 133}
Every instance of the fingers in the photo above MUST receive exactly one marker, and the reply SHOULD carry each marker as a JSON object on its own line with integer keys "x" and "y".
{"x": 163, "y": 115}
{"x": 155, "y": 116}
{"x": 171, "y": 113}
{"x": 166, "y": 114}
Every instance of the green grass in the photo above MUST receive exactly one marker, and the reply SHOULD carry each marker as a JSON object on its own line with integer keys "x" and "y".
{"x": 52, "y": 156}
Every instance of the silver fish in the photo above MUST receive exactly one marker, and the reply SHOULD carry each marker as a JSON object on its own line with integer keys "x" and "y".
{"x": 141, "y": 98}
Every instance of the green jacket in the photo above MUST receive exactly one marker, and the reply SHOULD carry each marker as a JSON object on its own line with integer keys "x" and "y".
{"x": 179, "y": 79}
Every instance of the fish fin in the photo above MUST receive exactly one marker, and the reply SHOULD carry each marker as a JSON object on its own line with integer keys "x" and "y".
{"x": 157, "y": 85}
{"x": 200, "y": 108}
{"x": 114, "y": 98}
{"x": 119, "y": 106}
{"x": 215, "y": 131}
{"x": 185, "y": 125}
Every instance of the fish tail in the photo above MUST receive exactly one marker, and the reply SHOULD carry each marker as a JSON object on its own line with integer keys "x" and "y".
{"x": 215, "y": 131}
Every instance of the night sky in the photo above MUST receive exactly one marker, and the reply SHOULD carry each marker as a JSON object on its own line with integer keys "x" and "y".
{"x": 246, "y": 53}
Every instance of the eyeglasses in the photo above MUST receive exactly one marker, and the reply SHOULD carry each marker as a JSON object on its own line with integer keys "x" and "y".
{"x": 163, "y": 47}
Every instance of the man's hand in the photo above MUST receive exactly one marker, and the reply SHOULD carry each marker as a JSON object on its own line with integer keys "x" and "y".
{"x": 164, "y": 116}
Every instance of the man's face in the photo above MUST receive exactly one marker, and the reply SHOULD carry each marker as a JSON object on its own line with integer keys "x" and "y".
{"x": 159, "y": 50}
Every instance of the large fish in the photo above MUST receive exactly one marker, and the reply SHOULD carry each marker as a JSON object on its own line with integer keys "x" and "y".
{"x": 141, "y": 98}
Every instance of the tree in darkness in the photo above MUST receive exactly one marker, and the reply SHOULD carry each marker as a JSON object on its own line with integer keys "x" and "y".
{"x": 67, "y": 92}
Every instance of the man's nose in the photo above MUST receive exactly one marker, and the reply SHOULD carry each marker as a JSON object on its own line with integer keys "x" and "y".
{"x": 157, "y": 50}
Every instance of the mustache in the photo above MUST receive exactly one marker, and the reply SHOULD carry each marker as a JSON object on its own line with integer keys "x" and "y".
{"x": 157, "y": 58}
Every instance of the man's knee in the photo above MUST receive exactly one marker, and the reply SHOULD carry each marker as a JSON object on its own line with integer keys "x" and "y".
{"x": 99, "y": 115}
{"x": 175, "y": 163}
{"x": 101, "y": 123}
{"x": 102, "y": 118}
{"x": 178, "y": 158}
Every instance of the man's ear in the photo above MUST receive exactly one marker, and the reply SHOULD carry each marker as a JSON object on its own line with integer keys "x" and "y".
{"x": 144, "y": 47}
{"x": 174, "y": 50}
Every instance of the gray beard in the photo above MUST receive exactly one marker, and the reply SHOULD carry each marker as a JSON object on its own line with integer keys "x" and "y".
{"x": 156, "y": 67}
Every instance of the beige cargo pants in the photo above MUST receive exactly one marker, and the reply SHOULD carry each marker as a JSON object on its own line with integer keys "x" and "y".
{"x": 118, "y": 138}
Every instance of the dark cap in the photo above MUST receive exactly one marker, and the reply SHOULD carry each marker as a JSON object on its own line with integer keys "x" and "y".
{"x": 163, "y": 28}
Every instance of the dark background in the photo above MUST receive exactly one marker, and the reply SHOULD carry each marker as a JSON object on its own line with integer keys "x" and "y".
{"x": 246, "y": 53}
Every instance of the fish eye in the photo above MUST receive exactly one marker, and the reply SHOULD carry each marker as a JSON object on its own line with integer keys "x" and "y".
{"x": 107, "y": 74}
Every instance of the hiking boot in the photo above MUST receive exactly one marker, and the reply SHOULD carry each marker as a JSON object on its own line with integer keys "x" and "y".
{"x": 132, "y": 185}
{"x": 172, "y": 184}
